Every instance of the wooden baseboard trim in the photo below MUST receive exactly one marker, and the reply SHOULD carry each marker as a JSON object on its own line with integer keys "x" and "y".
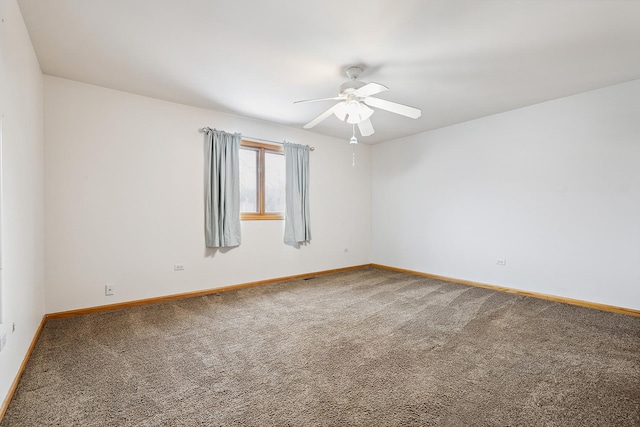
{"x": 581, "y": 303}
{"x": 23, "y": 365}
{"x": 117, "y": 306}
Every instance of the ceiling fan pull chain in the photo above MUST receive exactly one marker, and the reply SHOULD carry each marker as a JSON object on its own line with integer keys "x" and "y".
{"x": 353, "y": 156}
{"x": 353, "y": 141}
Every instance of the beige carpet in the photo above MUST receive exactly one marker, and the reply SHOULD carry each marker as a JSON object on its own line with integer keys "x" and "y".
{"x": 362, "y": 348}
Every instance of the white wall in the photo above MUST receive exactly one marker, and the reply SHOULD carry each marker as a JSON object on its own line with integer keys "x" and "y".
{"x": 23, "y": 214}
{"x": 124, "y": 201}
{"x": 554, "y": 188}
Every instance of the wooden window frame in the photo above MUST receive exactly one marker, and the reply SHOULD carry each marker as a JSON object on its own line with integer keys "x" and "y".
{"x": 261, "y": 148}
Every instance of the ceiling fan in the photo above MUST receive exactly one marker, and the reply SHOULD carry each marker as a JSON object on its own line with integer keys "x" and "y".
{"x": 355, "y": 99}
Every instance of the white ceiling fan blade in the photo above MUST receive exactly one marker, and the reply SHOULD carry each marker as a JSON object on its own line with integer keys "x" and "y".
{"x": 403, "y": 110}
{"x": 318, "y": 99}
{"x": 370, "y": 89}
{"x": 323, "y": 116}
{"x": 365, "y": 127}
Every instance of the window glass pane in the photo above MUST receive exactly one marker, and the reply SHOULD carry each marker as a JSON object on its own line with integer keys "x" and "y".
{"x": 248, "y": 180}
{"x": 274, "y": 182}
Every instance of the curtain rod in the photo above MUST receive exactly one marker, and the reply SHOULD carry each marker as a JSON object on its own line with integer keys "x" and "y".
{"x": 202, "y": 130}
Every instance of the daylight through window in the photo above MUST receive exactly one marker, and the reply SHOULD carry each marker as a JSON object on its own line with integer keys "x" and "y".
{"x": 262, "y": 180}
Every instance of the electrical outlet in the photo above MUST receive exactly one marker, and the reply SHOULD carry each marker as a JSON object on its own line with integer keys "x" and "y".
{"x": 178, "y": 267}
{"x": 3, "y": 341}
{"x": 109, "y": 290}
{"x": 501, "y": 261}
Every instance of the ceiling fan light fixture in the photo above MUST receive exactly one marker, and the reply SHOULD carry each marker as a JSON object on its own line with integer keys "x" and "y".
{"x": 341, "y": 111}
{"x": 353, "y": 107}
{"x": 353, "y": 112}
{"x": 348, "y": 112}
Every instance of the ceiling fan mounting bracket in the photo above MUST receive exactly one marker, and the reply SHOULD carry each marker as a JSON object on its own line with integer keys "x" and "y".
{"x": 353, "y": 72}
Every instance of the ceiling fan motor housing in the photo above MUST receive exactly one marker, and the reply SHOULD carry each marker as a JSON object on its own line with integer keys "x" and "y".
{"x": 353, "y": 84}
{"x": 349, "y": 87}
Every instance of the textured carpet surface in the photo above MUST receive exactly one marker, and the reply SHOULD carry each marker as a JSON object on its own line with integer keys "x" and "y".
{"x": 361, "y": 348}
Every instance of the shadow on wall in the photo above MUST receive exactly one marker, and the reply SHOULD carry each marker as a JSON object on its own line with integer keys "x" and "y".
{"x": 211, "y": 252}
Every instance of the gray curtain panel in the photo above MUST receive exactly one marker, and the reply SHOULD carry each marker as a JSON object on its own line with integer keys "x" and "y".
{"x": 222, "y": 189}
{"x": 297, "y": 225}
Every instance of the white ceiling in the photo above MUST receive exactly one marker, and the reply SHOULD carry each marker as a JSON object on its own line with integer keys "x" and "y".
{"x": 455, "y": 59}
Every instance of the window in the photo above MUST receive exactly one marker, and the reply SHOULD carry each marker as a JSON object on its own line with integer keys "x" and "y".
{"x": 262, "y": 180}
